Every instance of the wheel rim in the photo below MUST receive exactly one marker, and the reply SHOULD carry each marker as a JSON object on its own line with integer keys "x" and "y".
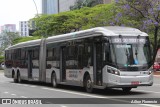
{"x": 89, "y": 84}
{"x": 54, "y": 81}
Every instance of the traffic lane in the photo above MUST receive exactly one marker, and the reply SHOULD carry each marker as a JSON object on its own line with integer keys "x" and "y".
{"x": 37, "y": 90}
{"x": 138, "y": 92}
{"x": 142, "y": 92}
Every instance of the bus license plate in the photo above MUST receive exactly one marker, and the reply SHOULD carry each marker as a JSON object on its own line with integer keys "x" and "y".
{"x": 135, "y": 83}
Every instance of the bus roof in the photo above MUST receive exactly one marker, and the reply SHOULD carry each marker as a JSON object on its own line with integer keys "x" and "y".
{"x": 105, "y": 31}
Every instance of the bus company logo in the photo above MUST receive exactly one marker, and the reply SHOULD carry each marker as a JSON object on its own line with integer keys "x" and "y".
{"x": 6, "y": 101}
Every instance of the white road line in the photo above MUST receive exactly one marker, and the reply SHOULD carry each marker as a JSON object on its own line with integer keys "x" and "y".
{"x": 148, "y": 91}
{"x": 6, "y": 92}
{"x": 13, "y": 94}
{"x": 63, "y": 106}
{"x": 76, "y": 93}
{"x": 23, "y": 97}
{"x": 33, "y": 86}
{"x": 94, "y": 96}
{"x": 149, "y": 105}
{"x": 18, "y": 84}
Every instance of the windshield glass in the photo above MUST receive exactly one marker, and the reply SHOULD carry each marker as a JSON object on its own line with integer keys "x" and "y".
{"x": 131, "y": 56}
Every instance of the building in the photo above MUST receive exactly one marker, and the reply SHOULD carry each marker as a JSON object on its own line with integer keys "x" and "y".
{"x": 8, "y": 28}
{"x": 23, "y": 28}
{"x": 56, "y": 6}
{"x": 50, "y": 6}
{"x": 64, "y": 5}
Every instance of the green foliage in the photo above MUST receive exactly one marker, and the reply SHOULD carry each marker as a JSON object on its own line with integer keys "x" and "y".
{"x": 24, "y": 39}
{"x": 1, "y": 59}
{"x": 100, "y": 15}
{"x": 85, "y": 3}
{"x": 6, "y": 39}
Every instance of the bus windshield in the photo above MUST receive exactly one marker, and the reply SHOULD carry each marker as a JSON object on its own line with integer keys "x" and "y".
{"x": 127, "y": 56}
{"x": 130, "y": 54}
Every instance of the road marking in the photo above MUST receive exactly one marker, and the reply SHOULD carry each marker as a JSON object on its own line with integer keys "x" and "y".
{"x": 149, "y": 105}
{"x": 33, "y": 86}
{"x": 6, "y": 92}
{"x": 148, "y": 91}
{"x": 95, "y": 96}
{"x": 76, "y": 93}
{"x": 63, "y": 106}
{"x": 13, "y": 94}
{"x": 23, "y": 97}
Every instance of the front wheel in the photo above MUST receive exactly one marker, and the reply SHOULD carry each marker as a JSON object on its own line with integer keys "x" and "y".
{"x": 127, "y": 89}
{"x": 54, "y": 80}
{"x": 88, "y": 84}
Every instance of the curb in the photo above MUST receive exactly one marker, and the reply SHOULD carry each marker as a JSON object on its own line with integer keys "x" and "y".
{"x": 157, "y": 76}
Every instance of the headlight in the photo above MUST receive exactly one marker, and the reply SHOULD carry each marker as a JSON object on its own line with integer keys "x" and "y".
{"x": 113, "y": 71}
{"x": 149, "y": 72}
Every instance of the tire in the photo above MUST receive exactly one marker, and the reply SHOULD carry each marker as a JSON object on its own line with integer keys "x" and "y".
{"x": 15, "y": 80}
{"x": 54, "y": 80}
{"x": 19, "y": 78}
{"x": 88, "y": 84}
{"x": 126, "y": 89}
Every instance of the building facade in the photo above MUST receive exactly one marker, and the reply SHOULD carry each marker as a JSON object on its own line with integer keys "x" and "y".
{"x": 57, "y": 6}
{"x": 8, "y": 28}
{"x": 64, "y": 5}
{"x": 23, "y": 28}
{"x": 50, "y": 6}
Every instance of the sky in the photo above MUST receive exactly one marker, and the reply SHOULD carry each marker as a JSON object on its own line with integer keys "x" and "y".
{"x": 13, "y": 11}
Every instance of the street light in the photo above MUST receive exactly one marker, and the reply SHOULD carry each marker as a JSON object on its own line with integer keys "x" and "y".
{"x": 36, "y": 7}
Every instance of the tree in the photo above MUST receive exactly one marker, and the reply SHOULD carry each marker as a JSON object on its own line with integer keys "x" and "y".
{"x": 85, "y": 3}
{"x": 6, "y": 39}
{"x": 147, "y": 13}
{"x": 66, "y": 22}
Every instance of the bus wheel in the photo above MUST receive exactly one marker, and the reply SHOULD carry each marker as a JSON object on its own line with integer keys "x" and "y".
{"x": 88, "y": 84}
{"x": 15, "y": 79}
{"x": 127, "y": 89}
{"x": 19, "y": 78}
{"x": 54, "y": 80}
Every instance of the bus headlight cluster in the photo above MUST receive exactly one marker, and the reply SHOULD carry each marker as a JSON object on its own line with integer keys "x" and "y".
{"x": 113, "y": 71}
{"x": 149, "y": 72}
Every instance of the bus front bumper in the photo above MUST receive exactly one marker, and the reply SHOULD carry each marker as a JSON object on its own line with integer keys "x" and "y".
{"x": 129, "y": 81}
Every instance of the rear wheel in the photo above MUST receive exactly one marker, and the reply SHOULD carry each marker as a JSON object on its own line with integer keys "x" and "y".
{"x": 15, "y": 78}
{"x": 88, "y": 84}
{"x": 54, "y": 80}
{"x": 19, "y": 78}
{"x": 127, "y": 89}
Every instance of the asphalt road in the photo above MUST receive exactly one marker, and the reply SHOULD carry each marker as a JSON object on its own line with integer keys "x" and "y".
{"x": 8, "y": 89}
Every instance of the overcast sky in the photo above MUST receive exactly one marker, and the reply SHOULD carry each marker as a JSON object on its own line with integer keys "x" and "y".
{"x": 13, "y": 11}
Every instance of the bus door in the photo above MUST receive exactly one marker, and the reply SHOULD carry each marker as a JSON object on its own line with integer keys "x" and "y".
{"x": 30, "y": 65}
{"x": 97, "y": 63}
{"x": 63, "y": 64}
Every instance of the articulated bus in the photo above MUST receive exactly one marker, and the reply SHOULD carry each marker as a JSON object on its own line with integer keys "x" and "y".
{"x": 101, "y": 57}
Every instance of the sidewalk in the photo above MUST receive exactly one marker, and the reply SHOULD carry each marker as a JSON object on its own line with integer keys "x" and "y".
{"x": 156, "y": 74}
